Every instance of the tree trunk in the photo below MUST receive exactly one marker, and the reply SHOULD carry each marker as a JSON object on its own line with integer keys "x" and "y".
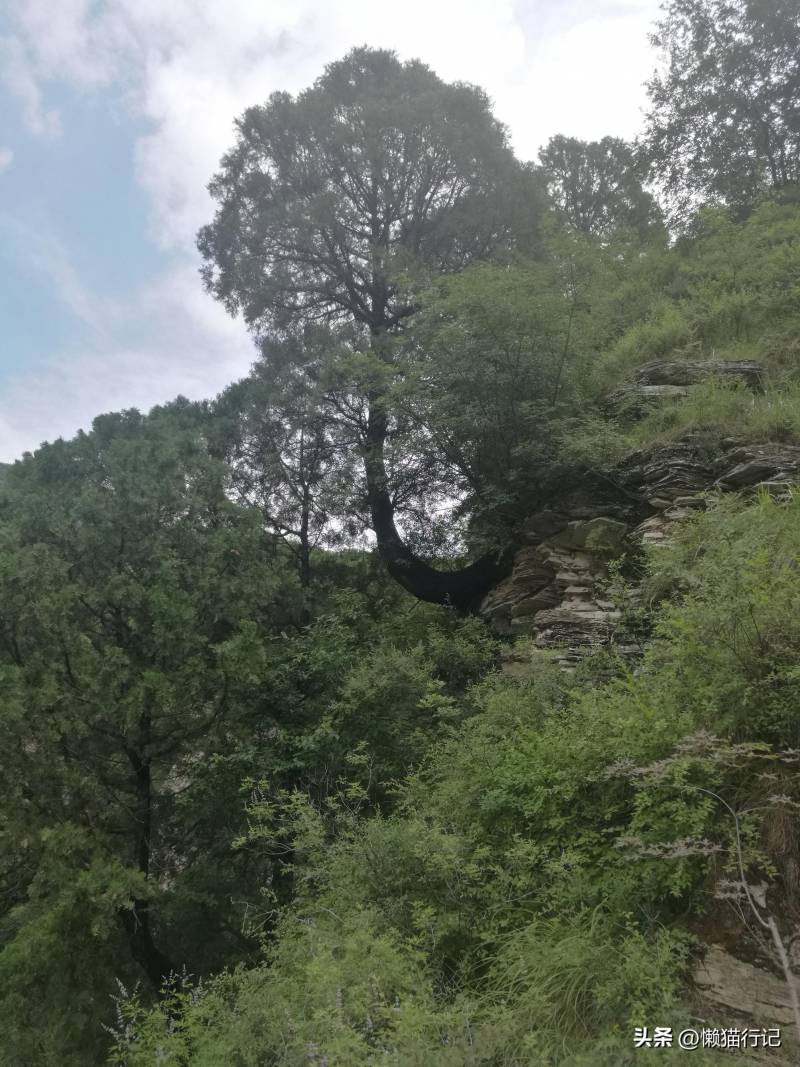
{"x": 136, "y": 919}
{"x": 136, "y": 924}
{"x": 462, "y": 589}
{"x": 305, "y": 546}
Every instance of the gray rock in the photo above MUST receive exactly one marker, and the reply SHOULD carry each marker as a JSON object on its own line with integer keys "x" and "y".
{"x": 662, "y": 392}
{"x": 555, "y": 592}
{"x": 669, "y": 472}
{"x": 601, "y": 534}
{"x": 744, "y": 988}
{"x": 675, "y": 372}
{"x": 750, "y": 465}
{"x": 673, "y": 379}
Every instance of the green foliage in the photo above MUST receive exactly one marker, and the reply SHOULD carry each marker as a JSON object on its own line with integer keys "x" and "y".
{"x": 596, "y": 186}
{"x": 135, "y": 604}
{"x": 285, "y": 814}
{"x": 59, "y": 948}
{"x": 338, "y": 992}
{"x": 735, "y": 633}
{"x": 555, "y": 990}
{"x": 710, "y": 411}
{"x": 438, "y": 860}
{"x": 723, "y": 118}
{"x": 716, "y": 407}
{"x": 729, "y": 291}
{"x": 284, "y": 448}
{"x": 147, "y": 672}
{"x": 491, "y": 363}
{"x": 561, "y": 826}
{"x": 327, "y": 198}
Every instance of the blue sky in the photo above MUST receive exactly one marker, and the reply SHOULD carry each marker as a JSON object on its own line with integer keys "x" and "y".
{"x": 74, "y": 195}
{"x": 113, "y": 114}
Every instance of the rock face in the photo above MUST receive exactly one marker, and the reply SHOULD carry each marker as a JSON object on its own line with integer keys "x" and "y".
{"x": 744, "y": 996}
{"x": 552, "y": 592}
{"x": 684, "y": 373}
{"x": 672, "y": 378}
{"x": 555, "y": 591}
{"x": 743, "y": 988}
{"x": 564, "y": 543}
{"x": 766, "y": 465}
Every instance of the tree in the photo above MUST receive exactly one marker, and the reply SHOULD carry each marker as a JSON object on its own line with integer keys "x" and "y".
{"x": 335, "y": 204}
{"x": 596, "y": 186}
{"x": 135, "y": 600}
{"x": 724, "y": 119}
{"x": 287, "y": 452}
{"x": 493, "y": 362}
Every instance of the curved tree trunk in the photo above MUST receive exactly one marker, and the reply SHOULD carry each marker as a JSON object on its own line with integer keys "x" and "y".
{"x": 462, "y": 589}
{"x": 135, "y": 922}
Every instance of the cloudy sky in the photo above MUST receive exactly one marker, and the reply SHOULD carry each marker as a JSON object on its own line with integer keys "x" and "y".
{"x": 114, "y": 114}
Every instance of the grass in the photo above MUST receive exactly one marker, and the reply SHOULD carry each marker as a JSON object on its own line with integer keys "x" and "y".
{"x": 714, "y": 408}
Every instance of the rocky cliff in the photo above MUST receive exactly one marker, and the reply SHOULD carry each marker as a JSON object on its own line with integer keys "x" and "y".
{"x": 556, "y": 594}
{"x": 555, "y": 591}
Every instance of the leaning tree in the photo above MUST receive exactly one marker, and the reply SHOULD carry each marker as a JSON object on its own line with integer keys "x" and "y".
{"x": 334, "y": 206}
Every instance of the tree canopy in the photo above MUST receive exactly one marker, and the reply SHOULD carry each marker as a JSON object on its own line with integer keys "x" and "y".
{"x": 134, "y": 598}
{"x": 724, "y": 118}
{"x": 330, "y": 198}
{"x": 596, "y": 186}
{"x": 288, "y": 451}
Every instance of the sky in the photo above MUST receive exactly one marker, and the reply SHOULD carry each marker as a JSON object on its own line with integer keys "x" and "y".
{"x": 115, "y": 113}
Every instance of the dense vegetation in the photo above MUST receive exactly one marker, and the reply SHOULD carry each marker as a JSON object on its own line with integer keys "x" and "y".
{"x": 269, "y": 795}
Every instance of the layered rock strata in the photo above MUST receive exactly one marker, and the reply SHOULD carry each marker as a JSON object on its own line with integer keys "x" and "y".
{"x": 556, "y": 590}
{"x": 556, "y": 595}
{"x": 670, "y": 379}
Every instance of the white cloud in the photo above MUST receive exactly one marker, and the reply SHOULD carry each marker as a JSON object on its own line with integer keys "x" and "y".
{"x": 6, "y": 158}
{"x": 20, "y": 78}
{"x": 168, "y": 339}
{"x": 189, "y": 67}
{"x": 49, "y": 256}
{"x": 595, "y": 68}
{"x": 186, "y": 69}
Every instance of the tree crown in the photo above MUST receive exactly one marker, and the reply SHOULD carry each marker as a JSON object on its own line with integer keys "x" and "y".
{"x": 329, "y": 198}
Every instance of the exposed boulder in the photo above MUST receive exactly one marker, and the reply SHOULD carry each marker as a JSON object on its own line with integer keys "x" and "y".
{"x": 554, "y": 592}
{"x": 599, "y": 535}
{"x": 674, "y": 372}
{"x": 749, "y": 466}
{"x": 673, "y": 379}
{"x": 665, "y": 473}
{"x": 744, "y": 996}
{"x": 743, "y": 988}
